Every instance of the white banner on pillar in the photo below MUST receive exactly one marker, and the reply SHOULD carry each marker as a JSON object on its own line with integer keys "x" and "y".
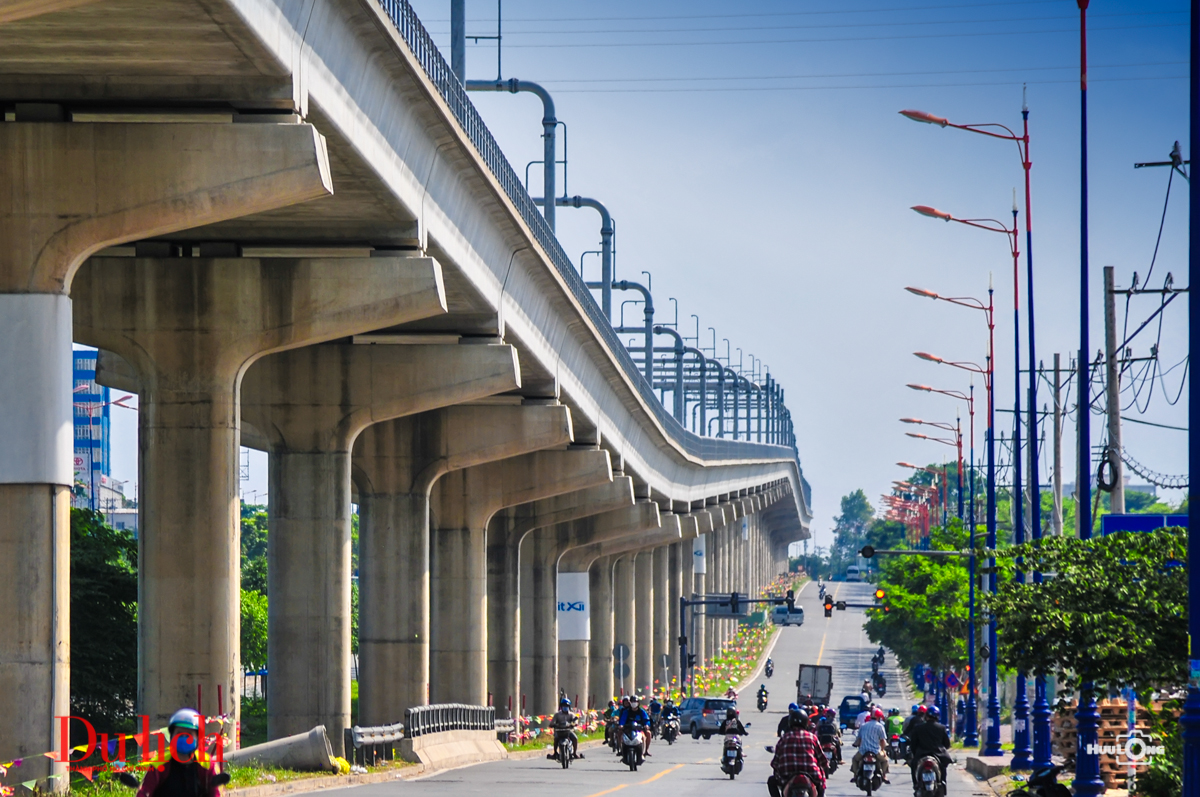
{"x": 745, "y": 528}
{"x": 574, "y": 609}
{"x": 700, "y": 554}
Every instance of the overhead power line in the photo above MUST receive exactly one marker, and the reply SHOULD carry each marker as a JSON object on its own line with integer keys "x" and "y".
{"x": 745, "y": 89}
{"x": 893, "y": 9}
{"x": 591, "y": 45}
{"x": 1073, "y": 67}
{"x": 911, "y": 23}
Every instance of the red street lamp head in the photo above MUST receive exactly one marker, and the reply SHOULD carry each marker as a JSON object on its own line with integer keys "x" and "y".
{"x": 926, "y": 388}
{"x": 933, "y": 358}
{"x": 918, "y": 435}
{"x": 933, "y": 213}
{"x": 911, "y": 420}
{"x": 922, "y": 292}
{"x": 907, "y": 465}
{"x": 926, "y": 118}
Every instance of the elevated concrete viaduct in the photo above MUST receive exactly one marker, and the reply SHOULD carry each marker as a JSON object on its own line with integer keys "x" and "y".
{"x": 285, "y": 226}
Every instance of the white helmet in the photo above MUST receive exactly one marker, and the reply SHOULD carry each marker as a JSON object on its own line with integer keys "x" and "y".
{"x": 185, "y": 718}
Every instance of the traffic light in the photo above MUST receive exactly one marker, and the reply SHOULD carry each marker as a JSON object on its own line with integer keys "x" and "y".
{"x": 733, "y": 603}
{"x": 880, "y": 594}
{"x": 828, "y": 606}
{"x": 691, "y": 660}
{"x": 791, "y": 600}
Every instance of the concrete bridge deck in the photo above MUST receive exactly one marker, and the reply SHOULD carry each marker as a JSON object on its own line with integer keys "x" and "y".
{"x": 284, "y": 225}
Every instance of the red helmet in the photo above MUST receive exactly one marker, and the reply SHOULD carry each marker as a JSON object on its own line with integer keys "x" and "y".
{"x": 878, "y": 714}
{"x": 922, "y": 710}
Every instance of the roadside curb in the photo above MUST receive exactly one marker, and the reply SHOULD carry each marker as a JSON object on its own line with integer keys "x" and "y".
{"x": 400, "y": 773}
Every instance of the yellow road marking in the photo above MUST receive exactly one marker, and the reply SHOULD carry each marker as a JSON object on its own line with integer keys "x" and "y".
{"x": 609, "y": 791}
{"x": 660, "y": 774}
{"x": 821, "y": 653}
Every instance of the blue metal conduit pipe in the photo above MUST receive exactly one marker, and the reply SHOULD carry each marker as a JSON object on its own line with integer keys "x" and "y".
{"x": 606, "y": 245}
{"x": 549, "y": 128}
{"x": 648, "y": 313}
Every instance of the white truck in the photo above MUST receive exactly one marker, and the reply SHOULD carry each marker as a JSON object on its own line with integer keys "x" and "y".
{"x": 814, "y": 686}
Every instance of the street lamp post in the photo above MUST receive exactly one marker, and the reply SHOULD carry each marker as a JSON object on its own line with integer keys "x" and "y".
{"x": 970, "y": 732}
{"x": 957, "y": 430}
{"x": 991, "y": 744}
{"x": 942, "y": 474}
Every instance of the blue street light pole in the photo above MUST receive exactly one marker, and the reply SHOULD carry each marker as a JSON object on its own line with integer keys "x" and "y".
{"x": 1087, "y": 781}
{"x": 971, "y": 732}
{"x": 1191, "y": 709}
{"x": 991, "y": 735}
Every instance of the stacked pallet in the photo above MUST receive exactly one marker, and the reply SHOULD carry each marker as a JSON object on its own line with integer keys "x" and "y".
{"x": 1112, "y": 730}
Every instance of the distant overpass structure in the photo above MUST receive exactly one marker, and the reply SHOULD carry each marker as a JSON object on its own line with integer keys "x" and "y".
{"x": 285, "y": 226}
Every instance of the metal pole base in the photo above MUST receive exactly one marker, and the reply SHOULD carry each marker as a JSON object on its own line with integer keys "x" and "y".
{"x": 1087, "y": 781}
{"x": 1042, "y": 747}
{"x": 1022, "y": 753}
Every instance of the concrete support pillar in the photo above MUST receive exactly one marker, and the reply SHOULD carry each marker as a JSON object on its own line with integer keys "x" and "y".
{"x": 662, "y": 617}
{"x": 540, "y": 664}
{"x": 69, "y": 192}
{"x": 625, "y": 619}
{"x": 644, "y": 631}
{"x": 395, "y": 466}
{"x": 311, "y": 422}
{"x": 698, "y": 631}
{"x": 464, "y": 502}
{"x": 600, "y": 659}
{"x": 190, "y": 327}
{"x": 506, "y": 531}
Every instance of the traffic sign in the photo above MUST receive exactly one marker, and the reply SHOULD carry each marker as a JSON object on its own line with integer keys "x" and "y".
{"x": 951, "y": 680}
{"x": 621, "y": 671}
{"x": 929, "y": 676}
{"x": 621, "y": 652}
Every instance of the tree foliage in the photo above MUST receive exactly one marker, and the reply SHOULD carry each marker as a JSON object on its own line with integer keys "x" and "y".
{"x": 104, "y": 592}
{"x": 254, "y": 630}
{"x": 1113, "y": 613}
{"x": 927, "y": 599}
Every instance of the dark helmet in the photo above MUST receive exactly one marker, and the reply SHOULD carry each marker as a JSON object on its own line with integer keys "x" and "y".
{"x": 893, "y": 712}
{"x": 611, "y": 704}
{"x": 564, "y": 703}
{"x": 933, "y": 714}
{"x": 731, "y": 713}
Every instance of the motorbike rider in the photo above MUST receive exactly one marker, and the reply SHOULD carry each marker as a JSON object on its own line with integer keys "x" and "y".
{"x": 797, "y": 752}
{"x": 183, "y": 773}
{"x": 762, "y": 692}
{"x": 872, "y": 738}
{"x": 563, "y": 724}
{"x": 634, "y": 714}
{"x": 732, "y": 724}
{"x": 655, "y": 709}
{"x": 769, "y": 666}
{"x": 827, "y": 729}
{"x": 894, "y": 723}
{"x": 669, "y": 709}
{"x": 929, "y": 738}
{"x": 864, "y": 715}
{"x": 917, "y": 716}
{"x": 610, "y": 717}
{"x": 785, "y": 723}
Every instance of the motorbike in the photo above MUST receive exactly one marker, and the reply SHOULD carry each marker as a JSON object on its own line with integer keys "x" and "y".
{"x": 880, "y": 685}
{"x": 770, "y": 668}
{"x": 1043, "y": 783}
{"x": 869, "y": 778}
{"x": 612, "y": 734}
{"x": 830, "y": 746}
{"x": 897, "y": 749}
{"x": 927, "y": 776}
{"x": 564, "y": 748}
{"x": 632, "y": 746}
{"x": 821, "y": 590}
{"x": 800, "y": 786}
{"x": 731, "y": 756}
{"x": 670, "y": 730}
{"x": 762, "y": 701}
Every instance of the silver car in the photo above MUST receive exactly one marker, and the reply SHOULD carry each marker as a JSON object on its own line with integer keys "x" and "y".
{"x": 702, "y": 716}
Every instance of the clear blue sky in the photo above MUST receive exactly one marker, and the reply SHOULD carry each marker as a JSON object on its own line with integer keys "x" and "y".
{"x": 755, "y": 162}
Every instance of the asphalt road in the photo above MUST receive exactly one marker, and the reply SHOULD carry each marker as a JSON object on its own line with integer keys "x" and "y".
{"x": 690, "y": 767}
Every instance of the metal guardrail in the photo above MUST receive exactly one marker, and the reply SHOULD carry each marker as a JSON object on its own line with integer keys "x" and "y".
{"x": 455, "y": 95}
{"x": 367, "y": 745}
{"x": 420, "y": 720}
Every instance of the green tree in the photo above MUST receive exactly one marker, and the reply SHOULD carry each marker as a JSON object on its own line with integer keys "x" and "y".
{"x": 254, "y": 548}
{"x": 1114, "y": 613}
{"x": 254, "y": 630}
{"x": 927, "y": 600}
{"x": 850, "y": 531}
{"x": 104, "y": 642}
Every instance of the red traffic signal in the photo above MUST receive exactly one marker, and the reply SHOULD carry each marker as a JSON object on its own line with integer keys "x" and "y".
{"x": 880, "y": 594}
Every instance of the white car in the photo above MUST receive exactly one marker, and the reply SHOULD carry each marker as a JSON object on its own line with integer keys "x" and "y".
{"x": 781, "y": 616}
